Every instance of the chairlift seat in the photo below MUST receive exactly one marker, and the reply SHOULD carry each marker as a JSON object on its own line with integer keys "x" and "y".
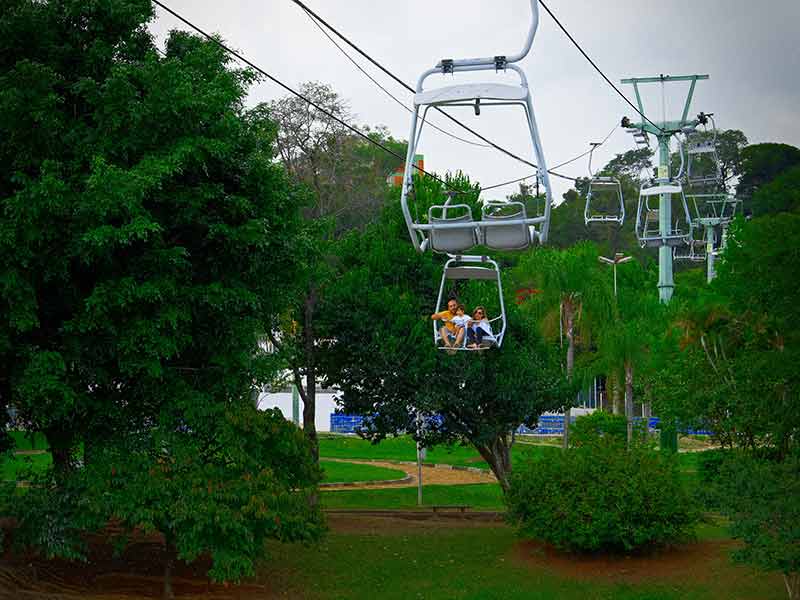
{"x": 452, "y": 240}
{"x": 469, "y": 92}
{"x": 514, "y": 236}
{"x": 470, "y": 273}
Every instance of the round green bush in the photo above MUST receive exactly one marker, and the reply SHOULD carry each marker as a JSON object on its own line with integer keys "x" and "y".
{"x": 587, "y": 428}
{"x": 600, "y": 496}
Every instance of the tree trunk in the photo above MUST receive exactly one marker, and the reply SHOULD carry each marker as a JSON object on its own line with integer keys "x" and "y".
{"x": 498, "y": 456}
{"x": 569, "y": 318}
{"x": 615, "y": 393}
{"x": 61, "y": 445}
{"x": 792, "y": 581}
{"x": 310, "y": 398}
{"x": 629, "y": 399}
{"x": 168, "y": 564}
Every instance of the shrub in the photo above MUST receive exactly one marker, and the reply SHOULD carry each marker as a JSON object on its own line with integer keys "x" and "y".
{"x": 587, "y": 428}
{"x": 599, "y": 496}
{"x": 762, "y": 499}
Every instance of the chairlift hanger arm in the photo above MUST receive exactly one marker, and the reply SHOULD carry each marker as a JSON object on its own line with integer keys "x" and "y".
{"x": 499, "y": 61}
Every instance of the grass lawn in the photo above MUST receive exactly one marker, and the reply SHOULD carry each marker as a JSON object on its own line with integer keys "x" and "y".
{"x": 19, "y": 467}
{"x": 341, "y": 472}
{"x": 432, "y": 561}
{"x": 24, "y": 440}
{"x": 480, "y": 496}
{"x": 404, "y": 448}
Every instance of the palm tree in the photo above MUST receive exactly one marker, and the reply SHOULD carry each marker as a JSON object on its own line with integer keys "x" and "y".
{"x": 574, "y": 297}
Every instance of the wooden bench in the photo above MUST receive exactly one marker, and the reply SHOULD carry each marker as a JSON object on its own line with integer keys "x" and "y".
{"x": 449, "y": 507}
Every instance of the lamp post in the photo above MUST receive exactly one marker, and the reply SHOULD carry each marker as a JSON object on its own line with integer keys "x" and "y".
{"x": 618, "y": 259}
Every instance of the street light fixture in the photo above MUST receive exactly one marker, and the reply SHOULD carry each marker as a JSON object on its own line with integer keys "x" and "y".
{"x": 618, "y": 259}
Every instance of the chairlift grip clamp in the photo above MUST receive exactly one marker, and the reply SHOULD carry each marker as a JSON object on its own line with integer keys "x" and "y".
{"x": 447, "y": 66}
{"x": 500, "y": 63}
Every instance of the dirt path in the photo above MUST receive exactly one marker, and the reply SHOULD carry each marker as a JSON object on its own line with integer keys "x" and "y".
{"x": 431, "y": 475}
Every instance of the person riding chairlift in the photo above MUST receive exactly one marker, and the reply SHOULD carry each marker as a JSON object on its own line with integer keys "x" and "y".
{"x": 479, "y": 332}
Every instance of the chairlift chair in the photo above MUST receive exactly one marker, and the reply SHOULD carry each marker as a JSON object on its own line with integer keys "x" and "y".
{"x": 604, "y": 200}
{"x": 703, "y": 166}
{"x": 471, "y": 268}
{"x": 694, "y": 251}
{"x": 648, "y": 230}
{"x": 455, "y": 235}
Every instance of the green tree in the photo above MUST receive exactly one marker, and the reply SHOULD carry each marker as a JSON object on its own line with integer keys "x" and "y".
{"x": 729, "y": 360}
{"x": 148, "y": 238}
{"x": 782, "y": 194}
{"x": 762, "y": 499}
{"x": 346, "y": 179}
{"x": 761, "y": 163}
{"x": 379, "y": 352}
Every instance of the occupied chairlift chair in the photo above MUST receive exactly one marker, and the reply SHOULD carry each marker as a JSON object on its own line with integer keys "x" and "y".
{"x": 604, "y": 200}
{"x": 481, "y": 268}
{"x": 455, "y": 232}
{"x": 452, "y": 228}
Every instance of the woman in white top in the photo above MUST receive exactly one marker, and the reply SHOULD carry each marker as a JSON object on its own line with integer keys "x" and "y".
{"x": 479, "y": 332}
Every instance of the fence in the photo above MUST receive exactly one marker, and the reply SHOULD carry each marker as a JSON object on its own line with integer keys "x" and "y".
{"x": 548, "y": 424}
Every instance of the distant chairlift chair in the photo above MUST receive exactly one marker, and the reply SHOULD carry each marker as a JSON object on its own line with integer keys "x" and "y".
{"x": 648, "y": 231}
{"x": 604, "y": 200}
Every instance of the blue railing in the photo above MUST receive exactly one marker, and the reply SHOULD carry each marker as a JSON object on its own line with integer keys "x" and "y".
{"x": 547, "y": 425}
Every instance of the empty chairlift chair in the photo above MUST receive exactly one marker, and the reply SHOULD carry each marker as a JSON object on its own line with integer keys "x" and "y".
{"x": 648, "y": 225}
{"x": 451, "y": 234}
{"x": 604, "y": 200}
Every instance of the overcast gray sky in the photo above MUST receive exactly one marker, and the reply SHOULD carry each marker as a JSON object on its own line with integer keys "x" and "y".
{"x": 751, "y": 50}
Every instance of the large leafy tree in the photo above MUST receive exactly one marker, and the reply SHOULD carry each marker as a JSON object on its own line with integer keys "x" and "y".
{"x": 761, "y": 163}
{"x": 145, "y": 227}
{"x": 730, "y": 361}
{"x": 148, "y": 238}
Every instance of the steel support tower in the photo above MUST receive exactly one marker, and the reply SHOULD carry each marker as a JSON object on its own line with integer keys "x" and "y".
{"x": 663, "y": 132}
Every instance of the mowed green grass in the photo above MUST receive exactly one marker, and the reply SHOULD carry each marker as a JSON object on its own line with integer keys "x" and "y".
{"x": 342, "y": 472}
{"x": 21, "y": 467}
{"x": 403, "y": 448}
{"x": 24, "y": 440}
{"x": 431, "y": 561}
{"x": 479, "y": 496}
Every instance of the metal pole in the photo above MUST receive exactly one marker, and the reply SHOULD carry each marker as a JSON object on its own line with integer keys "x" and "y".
{"x": 419, "y": 461}
{"x": 615, "y": 279}
{"x": 666, "y": 283}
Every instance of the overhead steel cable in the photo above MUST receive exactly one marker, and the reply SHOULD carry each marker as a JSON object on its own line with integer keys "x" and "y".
{"x": 408, "y": 87}
{"x": 383, "y": 89}
{"x": 566, "y": 162}
{"x": 588, "y": 152}
{"x": 294, "y": 92}
{"x": 596, "y": 68}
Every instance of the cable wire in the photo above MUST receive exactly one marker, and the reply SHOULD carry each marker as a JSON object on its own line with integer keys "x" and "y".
{"x": 580, "y": 156}
{"x": 596, "y": 68}
{"x": 383, "y": 89}
{"x": 277, "y": 81}
{"x": 409, "y": 88}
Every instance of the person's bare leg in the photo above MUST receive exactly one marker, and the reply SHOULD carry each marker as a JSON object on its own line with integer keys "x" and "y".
{"x": 459, "y": 337}
{"x": 445, "y": 337}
